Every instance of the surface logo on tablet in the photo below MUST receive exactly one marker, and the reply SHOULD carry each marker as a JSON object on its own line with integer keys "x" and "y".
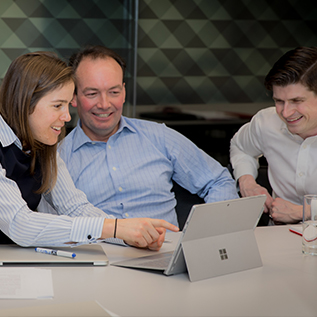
{"x": 223, "y": 254}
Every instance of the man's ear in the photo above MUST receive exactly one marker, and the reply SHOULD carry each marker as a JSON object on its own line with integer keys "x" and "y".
{"x": 124, "y": 91}
{"x": 74, "y": 101}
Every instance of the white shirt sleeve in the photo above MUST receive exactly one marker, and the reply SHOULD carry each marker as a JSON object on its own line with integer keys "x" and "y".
{"x": 245, "y": 148}
{"x": 26, "y": 227}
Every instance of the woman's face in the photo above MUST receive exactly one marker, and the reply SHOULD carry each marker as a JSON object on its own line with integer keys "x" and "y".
{"x": 51, "y": 113}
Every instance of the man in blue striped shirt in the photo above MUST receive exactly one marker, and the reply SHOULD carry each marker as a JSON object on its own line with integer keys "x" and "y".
{"x": 126, "y": 166}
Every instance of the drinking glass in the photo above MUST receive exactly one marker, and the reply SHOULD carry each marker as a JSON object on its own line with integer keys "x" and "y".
{"x": 309, "y": 237}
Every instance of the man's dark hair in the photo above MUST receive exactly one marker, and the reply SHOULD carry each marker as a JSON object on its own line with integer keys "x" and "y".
{"x": 296, "y": 66}
{"x": 95, "y": 52}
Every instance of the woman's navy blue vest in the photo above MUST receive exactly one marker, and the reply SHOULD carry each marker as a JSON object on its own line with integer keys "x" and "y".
{"x": 17, "y": 166}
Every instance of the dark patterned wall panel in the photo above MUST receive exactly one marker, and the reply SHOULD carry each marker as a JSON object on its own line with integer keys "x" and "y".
{"x": 210, "y": 51}
{"x": 189, "y": 51}
{"x": 64, "y": 26}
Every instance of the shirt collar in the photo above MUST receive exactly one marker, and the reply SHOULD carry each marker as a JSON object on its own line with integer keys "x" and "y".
{"x": 7, "y": 136}
{"x": 80, "y": 138}
{"x": 125, "y": 124}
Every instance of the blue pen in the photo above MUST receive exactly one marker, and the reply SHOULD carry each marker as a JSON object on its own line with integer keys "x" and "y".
{"x": 56, "y": 252}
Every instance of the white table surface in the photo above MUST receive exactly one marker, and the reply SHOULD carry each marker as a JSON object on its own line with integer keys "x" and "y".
{"x": 286, "y": 285}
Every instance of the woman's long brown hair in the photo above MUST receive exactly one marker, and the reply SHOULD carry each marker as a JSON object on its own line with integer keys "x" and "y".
{"x": 29, "y": 78}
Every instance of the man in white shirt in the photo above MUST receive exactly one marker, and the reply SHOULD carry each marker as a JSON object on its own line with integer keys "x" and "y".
{"x": 286, "y": 135}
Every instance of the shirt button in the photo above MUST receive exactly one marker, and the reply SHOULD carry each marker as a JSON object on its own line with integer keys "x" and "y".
{"x": 120, "y": 189}
{"x": 93, "y": 143}
{"x": 114, "y": 168}
{"x": 126, "y": 214}
{"x": 300, "y": 174}
{"x": 305, "y": 146}
{"x": 89, "y": 237}
{"x": 109, "y": 146}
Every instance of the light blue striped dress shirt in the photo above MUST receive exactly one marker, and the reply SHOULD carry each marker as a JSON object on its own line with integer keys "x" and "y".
{"x": 131, "y": 175}
{"x": 76, "y": 220}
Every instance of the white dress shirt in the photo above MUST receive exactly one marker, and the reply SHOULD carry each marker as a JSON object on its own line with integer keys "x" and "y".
{"x": 292, "y": 164}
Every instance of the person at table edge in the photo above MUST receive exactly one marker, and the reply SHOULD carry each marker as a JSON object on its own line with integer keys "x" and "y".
{"x": 286, "y": 135}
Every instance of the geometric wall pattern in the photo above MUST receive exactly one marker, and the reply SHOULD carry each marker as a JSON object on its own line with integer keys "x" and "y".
{"x": 189, "y": 51}
{"x": 65, "y": 26}
{"x": 192, "y": 52}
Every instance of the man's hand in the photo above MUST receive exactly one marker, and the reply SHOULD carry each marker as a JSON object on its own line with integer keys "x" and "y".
{"x": 139, "y": 232}
{"x": 156, "y": 245}
{"x": 249, "y": 187}
{"x": 283, "y": 211}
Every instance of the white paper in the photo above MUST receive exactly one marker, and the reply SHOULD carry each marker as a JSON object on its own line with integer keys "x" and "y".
{"x": 78, "y": 309}
{"x": 25, "y": 283}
